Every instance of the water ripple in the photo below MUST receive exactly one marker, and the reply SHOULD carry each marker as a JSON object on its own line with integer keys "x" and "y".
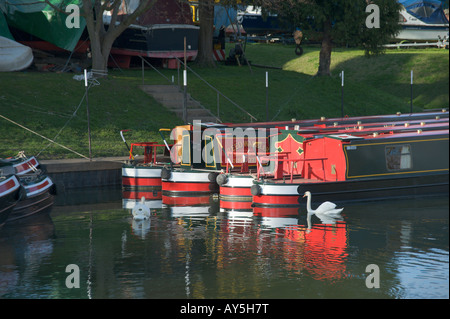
{"x": 420, "y": 271}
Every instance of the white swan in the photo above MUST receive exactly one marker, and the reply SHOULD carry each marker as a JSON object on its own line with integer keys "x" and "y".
{"x": 140, "y": 210}
{"x": 326, "y": 212}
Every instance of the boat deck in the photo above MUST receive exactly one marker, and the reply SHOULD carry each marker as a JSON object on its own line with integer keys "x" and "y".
{"x": 295, "y": 180}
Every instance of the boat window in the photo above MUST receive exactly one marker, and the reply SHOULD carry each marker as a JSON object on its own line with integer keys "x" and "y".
{"x": 398, "y": 157}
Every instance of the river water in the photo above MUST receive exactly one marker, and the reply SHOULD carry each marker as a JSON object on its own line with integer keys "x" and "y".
{"x": 202, "y": 252}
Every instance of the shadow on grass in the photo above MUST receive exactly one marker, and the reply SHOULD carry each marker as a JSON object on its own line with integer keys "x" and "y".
{"x": 391, "y": 74}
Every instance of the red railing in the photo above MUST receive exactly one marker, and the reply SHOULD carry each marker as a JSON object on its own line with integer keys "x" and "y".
{"x": 280, "y": 158}
{"x": 150, "y": 150}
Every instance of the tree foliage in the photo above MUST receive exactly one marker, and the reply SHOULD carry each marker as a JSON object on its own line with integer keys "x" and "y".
{"x": 339, "y": 22}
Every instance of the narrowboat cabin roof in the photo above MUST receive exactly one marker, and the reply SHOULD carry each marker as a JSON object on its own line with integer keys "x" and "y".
{"x": 346, "y": 120}
{"x": 375, "y": 136}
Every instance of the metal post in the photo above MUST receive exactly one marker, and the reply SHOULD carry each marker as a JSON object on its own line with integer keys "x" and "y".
{"x": 267, "y": 96}
{"x": 342, "y": 93}
{"x": 178, "y": 73}
{"x": 185, "y": 96}
{"x": 185, "y": 86}
{"x": 411, "y": 91}
{"x": 142, "y": 71}
{"x": 218, "y": 105}
{"x": 185, "y": 58}
{"x": 87, "y": 111}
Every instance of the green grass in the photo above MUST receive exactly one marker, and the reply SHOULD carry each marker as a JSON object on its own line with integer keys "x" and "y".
{"x": 45, "y": 102}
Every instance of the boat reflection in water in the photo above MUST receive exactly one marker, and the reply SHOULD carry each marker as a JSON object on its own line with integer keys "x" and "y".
{"x": 27, "y": 242}
{"x": 299, "y": 241}
{"x": 319, "y": 247}
{"x": 206, "y": 251}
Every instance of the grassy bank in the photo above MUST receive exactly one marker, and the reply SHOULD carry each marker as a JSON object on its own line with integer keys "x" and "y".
{"x": 47, "y": 103}
{"x": 51, "y": 104}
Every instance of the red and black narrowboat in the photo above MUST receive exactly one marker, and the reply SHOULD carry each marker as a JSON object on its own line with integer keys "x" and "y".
{"x": 347, "y": 167}
{"x": 198, "y": 165}
{"x": 143, "y": 177}
{"x": 286, "y": 154}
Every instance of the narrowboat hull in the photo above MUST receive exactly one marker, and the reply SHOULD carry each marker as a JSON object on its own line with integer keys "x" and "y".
{"x": 377, "y": 189}
{"x": 158, "y": 41}
{"x": 142, "y": 179}
{"x": 31, "y": 206}
{"x": 235, "y": 191}
{"x": 283, "y": 195}
{"x": 39, "y": 198}
{"x": 275, "y": 194}
{"x": 187, "y": 183}
{"x": 9, "y": 195}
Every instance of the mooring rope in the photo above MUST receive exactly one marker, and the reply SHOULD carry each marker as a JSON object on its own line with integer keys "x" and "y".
{"x": 60, "y": 131}
{"x": 46, "y": 138}
{"x": 92, "y": 82}
{"x": 291, "y": 98}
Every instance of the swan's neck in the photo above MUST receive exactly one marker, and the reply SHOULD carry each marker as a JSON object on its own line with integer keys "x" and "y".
{"x": 308, "y": 221}
{"x": 308, "y": 204}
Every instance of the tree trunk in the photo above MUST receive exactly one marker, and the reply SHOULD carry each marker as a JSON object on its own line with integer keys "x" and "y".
{"x": 205, "y": 41}
{"x": 325, "y": 50}
{"x": 99, "y": 61}
{"x": 101, "y": 40}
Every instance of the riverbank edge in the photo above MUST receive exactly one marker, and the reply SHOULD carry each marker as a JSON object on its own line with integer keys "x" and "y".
{"x": 83, "y": 173}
